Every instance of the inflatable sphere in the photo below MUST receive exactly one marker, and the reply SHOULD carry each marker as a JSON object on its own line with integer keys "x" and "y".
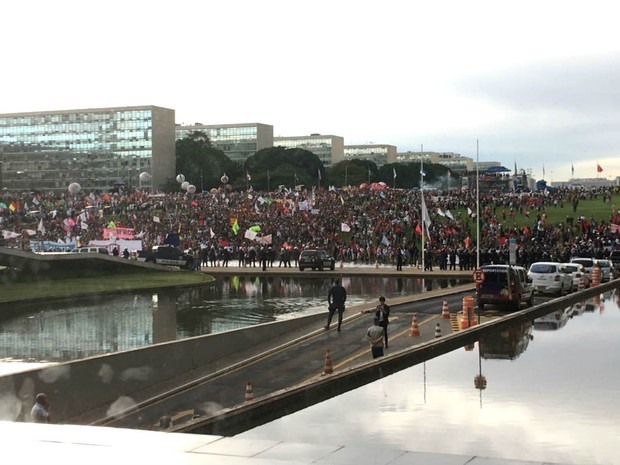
{"x": 74, "y": 188}
{"x": 224, "y": 179}
{"x": 180, "y": 178}
{"x": 191, "y": 189}
{"x": 145, "y": 177}
{"x": 184, "y": 185}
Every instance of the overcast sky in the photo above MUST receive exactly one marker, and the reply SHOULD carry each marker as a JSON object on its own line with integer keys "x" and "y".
{"x": 536, "y": 82}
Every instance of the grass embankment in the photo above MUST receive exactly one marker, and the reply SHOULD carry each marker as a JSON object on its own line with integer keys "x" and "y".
{"x": 70, "y": 287}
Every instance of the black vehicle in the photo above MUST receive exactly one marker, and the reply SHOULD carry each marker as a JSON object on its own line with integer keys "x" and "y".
{"x": 167, "y": 255}
{"x": 505, "y": 285}
{"x": 316, "y": 259}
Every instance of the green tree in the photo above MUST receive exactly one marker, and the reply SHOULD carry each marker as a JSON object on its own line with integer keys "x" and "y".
{"x": 275, "y": 166}
{"x": 202, "y": 164}
{"x": 352, "y": 172}
{"x": 408, "y": 175}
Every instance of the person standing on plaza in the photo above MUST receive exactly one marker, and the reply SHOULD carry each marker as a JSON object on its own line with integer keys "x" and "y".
{"x": 40, "y": 412}
{"x": 399, "y": 259}
{"x": 336, "y": 298}
{"x": 374, "y": 335}
{"x": 382, "y": 313}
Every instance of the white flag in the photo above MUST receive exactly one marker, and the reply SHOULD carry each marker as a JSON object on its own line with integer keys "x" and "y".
{"x": 449, "y": 215}
{"x": 425, "y": 218}
{"x": 469, "y": 212}
{"x": 41, "y": 228}
{"x": 384, "y": 241}
{"x": 394, "y": 171}
{"x": 211, "y": 233}
{"x": 344, "y": 227}
{"x": 440, "y": 212}
{"x": 250, "y": 234}
{"x": 341, "y": 200}
{"x": 156, "y": 219}
{"x": 83, "y": 225}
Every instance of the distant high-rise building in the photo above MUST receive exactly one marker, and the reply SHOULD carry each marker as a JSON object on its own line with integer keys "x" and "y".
{"x": 379, "y": 154}
{"x": 455, "y": 161}
{"x": 329, "y": 149}
{"x": 99, "y": 148}
{"x": 237, "y": 141}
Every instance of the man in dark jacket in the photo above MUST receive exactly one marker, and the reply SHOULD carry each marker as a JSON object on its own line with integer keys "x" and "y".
{"x": 336, "y": 297}
{"x": 382, "y": 314}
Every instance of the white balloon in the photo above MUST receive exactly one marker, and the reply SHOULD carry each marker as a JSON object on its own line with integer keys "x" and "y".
{"x": 184, "y": 185}
{"x": 191, "y": 189}
{"x": 180, "y": 178}
{"x": 74, "y": 188}
{"x": 224, "y": 179}
{"x": 145, "y": 177}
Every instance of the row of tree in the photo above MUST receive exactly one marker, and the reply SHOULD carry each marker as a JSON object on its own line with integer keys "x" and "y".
{"x": 207, "y": 167}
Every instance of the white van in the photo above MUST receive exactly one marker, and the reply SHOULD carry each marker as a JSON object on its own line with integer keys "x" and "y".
{"x": 103, "y": 250}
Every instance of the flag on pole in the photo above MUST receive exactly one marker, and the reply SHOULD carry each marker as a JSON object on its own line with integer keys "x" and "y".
{"x": 440, "y": 212}
{"x": 344, "y": 227}
{"x": 248, "y": 176}
{"x": 319, "y": 171}
{"x": 394, "y": 171}
{"x": 449, "y": 215}
{"x": 543, "y": 170}
{"x": 599, "y": 168}
{"x": 235, "y": 227}
{"x": 572, "y": 170}
{"x": 211, "y": 233}
{"x": 384, "y": 241}
{"x": 426, "y": 219}
{"x": 41, "y": 228}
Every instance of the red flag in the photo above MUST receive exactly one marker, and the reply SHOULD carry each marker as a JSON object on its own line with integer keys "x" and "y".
{"x": 599, "y": 169}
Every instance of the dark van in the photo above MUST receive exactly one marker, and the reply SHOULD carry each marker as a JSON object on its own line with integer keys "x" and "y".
{"x": 505, "y": 285}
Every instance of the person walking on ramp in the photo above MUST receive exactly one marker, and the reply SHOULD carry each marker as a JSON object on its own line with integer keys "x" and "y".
{"x": 336, "y": 297}
{"x": 382, "y": 314}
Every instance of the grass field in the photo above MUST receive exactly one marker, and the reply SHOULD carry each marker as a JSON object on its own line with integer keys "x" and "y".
{"x": 101, "y": 284}
{"x": 597, "y": 209}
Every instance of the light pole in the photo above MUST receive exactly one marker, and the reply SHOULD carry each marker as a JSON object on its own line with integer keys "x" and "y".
{"x": 477, "y": 205}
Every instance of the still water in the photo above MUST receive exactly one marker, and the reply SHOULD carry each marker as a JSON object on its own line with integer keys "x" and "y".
{"x": 551, "y": 394}
{"x": 55, "y": 332}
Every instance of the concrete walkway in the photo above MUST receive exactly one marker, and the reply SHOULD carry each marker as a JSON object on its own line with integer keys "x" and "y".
{"x": 77, "y": 445}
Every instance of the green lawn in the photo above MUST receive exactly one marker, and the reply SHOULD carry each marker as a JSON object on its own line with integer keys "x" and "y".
{"x": 107, "y": 283}
{"x": 597, "y": 209}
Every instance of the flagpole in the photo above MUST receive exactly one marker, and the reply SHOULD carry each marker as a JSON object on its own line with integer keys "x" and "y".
{"x": 422, "y": 203}
{"x": 345, "y": 176}
{"x": 477, "y": 205}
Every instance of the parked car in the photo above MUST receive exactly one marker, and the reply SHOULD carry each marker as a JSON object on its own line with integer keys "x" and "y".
{"x": 102, "y": 250}
{"x": 606, "y": 269}
{"x": 316, "y": 259}
{"x": 578, "y": 272}
{"x": 167, "y": 255}
{"x": 505, "y": 285}
{"x": 550, "y": 278}
{"x": 587, "y": 262}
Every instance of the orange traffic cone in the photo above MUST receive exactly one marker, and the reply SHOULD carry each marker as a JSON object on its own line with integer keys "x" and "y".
{"x": 415, "y": 329}
{"x": 249, "y": 395}
{"x": 437, "y": 330}
{"x": 329, "y": 368}
{"x": 445, "y": 312}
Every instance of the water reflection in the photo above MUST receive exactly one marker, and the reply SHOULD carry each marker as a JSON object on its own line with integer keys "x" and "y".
{"x": 62, "y": 331}
{"x": 548, "y": 398}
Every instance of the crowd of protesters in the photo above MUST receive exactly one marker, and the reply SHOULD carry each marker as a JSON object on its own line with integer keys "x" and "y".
{"x": 355, "y": 225}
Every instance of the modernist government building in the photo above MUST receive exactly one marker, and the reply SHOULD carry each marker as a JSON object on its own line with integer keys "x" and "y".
{"x": 103, "y": 148}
